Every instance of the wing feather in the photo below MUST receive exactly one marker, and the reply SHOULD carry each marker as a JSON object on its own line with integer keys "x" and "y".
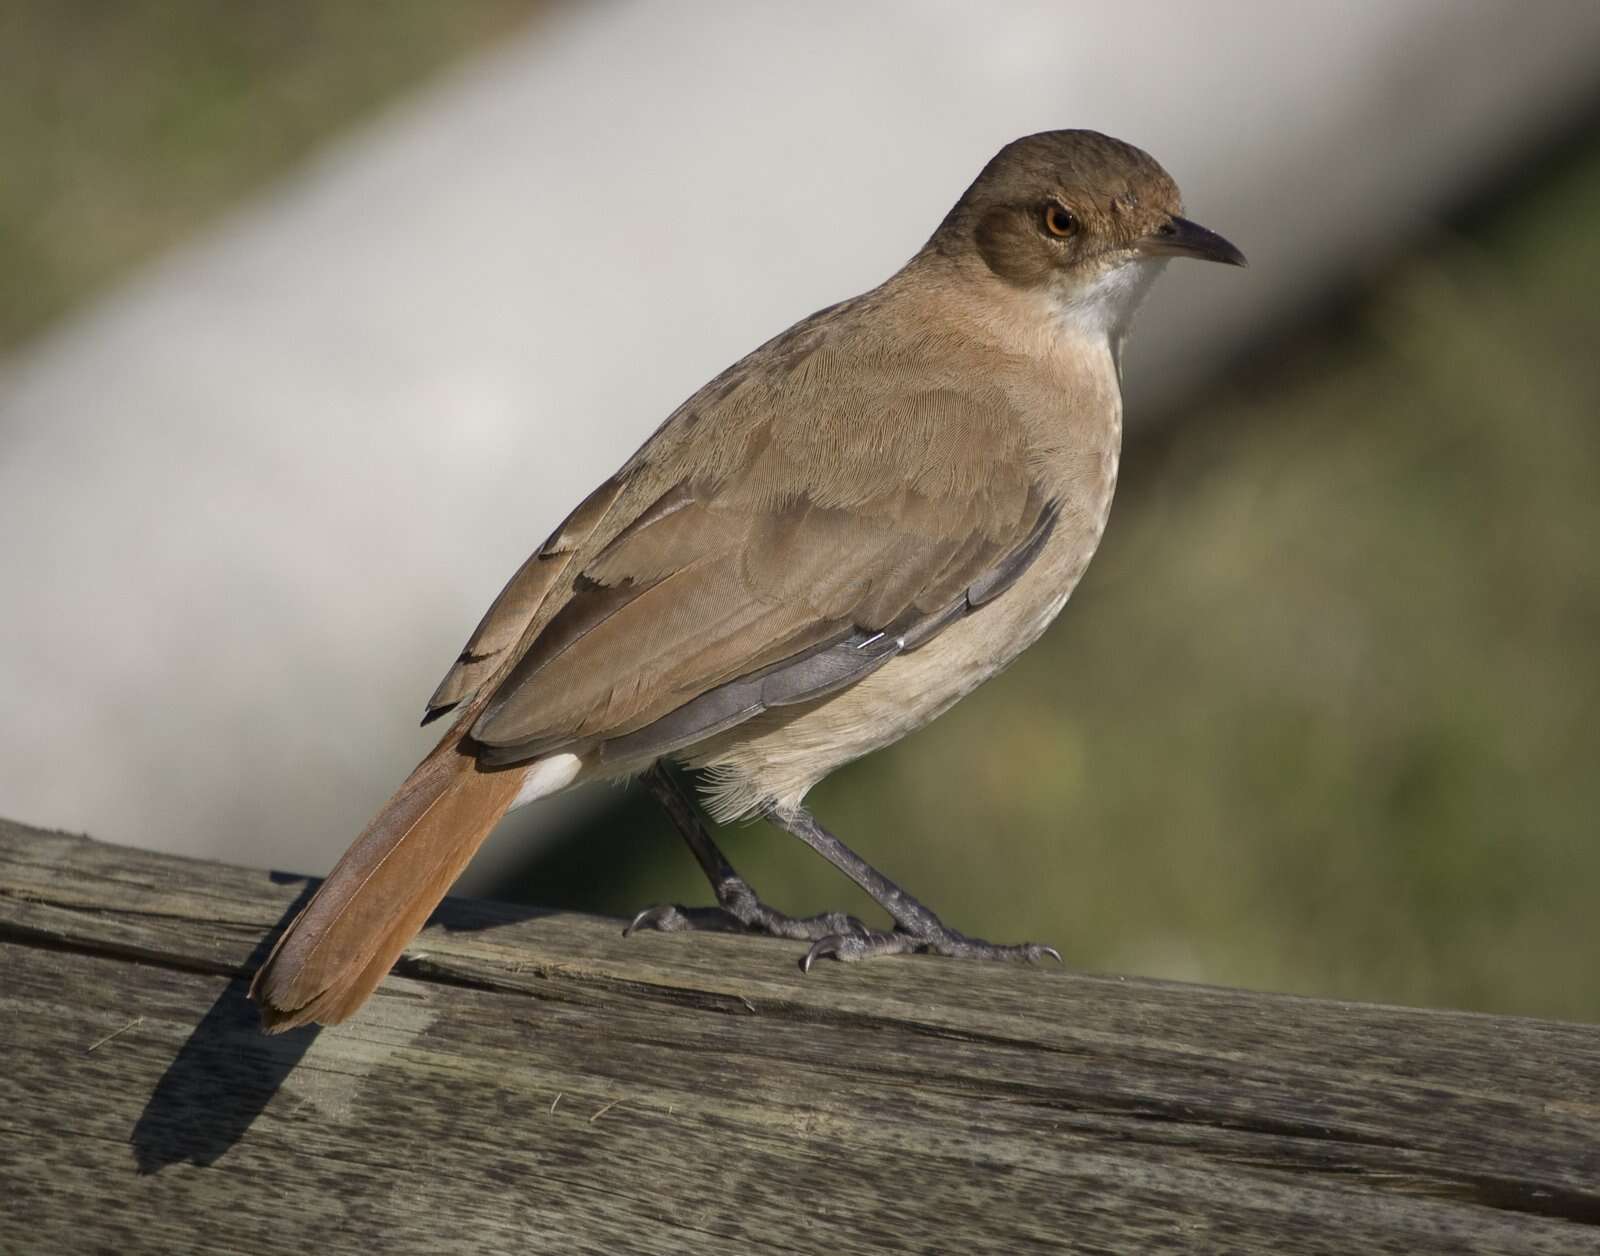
{"x": 808, "y": 514}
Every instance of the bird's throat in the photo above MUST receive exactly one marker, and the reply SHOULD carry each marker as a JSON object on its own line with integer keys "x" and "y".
{"x": 1102, "y": 309}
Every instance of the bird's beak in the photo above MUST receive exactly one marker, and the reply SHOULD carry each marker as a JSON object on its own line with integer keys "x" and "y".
{"x": 1178, "y": 237}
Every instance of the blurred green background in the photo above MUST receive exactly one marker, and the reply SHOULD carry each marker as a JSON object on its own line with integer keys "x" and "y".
{"x": 127, "y": 124}
{"x": 1321, "y": 717}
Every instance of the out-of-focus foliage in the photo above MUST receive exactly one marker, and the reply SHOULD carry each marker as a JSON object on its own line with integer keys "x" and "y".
{"x": 1322, "y": 717}
{"x": 124, "y": 125}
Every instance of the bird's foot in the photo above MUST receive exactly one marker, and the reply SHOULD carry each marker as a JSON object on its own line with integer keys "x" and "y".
{"x": 852, "y": 945}
{"x": 740, "y": 911}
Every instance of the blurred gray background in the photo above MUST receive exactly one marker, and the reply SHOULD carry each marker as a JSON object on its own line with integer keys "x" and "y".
{"x": 319, "y": 317}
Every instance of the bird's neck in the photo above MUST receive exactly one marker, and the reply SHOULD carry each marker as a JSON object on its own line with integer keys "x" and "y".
{"x": 1077, "y": 323}
{"x": 1055, "y": 361}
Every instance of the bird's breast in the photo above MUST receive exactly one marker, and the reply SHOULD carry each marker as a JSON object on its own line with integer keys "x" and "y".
{"x": 779, "y": 756}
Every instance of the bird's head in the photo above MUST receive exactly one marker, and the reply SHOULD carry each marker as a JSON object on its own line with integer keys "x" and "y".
{"x": 1081, "y": 218}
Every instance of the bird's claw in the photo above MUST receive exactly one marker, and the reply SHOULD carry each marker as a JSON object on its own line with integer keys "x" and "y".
{"x": 663, "y": 918}
{"x": 869, "y": 944}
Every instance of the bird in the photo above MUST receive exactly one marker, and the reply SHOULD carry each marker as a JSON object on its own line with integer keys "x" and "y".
{"x": 821, "y": 550}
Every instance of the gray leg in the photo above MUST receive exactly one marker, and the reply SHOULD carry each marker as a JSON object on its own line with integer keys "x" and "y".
{"x": 916, "y": 928}
{"x": 740, "y": 911}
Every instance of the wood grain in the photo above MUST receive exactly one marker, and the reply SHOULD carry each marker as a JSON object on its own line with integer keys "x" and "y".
{"x": 535, "y": 1082}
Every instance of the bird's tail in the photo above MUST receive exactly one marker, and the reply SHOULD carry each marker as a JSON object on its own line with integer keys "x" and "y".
{"x": 337, "y": 950}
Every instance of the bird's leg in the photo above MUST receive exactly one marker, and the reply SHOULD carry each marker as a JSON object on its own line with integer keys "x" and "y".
{"x": 916, "y": 927}
{"x": 740, "y": 911}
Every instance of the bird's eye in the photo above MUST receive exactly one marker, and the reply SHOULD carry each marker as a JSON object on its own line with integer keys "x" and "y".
{"x": 1060, "y": 221}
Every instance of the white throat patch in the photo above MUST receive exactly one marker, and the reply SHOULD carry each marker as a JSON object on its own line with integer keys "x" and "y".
{"x": 1103, "y": 310}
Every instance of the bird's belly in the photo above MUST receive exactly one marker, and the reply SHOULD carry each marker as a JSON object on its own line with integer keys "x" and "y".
{"x": 778, "y": 756}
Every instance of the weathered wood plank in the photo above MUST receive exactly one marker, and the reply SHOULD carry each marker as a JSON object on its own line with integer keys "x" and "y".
{"x": 536, "y": 1082}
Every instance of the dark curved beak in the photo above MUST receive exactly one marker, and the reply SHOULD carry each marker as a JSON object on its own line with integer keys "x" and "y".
{"x": 1178, "y": 237}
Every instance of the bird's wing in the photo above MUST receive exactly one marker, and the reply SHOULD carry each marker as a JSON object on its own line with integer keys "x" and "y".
{"x": 500, "y": 632}
{"x": 810, "y": 523}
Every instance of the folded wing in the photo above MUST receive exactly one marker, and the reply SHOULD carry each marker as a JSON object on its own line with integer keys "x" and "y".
{"x": 800, "y": 564}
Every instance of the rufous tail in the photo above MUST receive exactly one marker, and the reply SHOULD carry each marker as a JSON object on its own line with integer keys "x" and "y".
{"x": 336, "y": 951}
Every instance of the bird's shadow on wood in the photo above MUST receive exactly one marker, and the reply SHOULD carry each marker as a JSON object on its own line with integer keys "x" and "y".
{"x": 228, "y": 1071}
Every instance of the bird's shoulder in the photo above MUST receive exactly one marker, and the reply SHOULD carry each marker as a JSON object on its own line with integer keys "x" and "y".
{"x": 874, "y": 395}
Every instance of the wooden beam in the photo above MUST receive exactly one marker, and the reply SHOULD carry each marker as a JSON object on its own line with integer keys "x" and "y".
{"x": 531, "y": 1081}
